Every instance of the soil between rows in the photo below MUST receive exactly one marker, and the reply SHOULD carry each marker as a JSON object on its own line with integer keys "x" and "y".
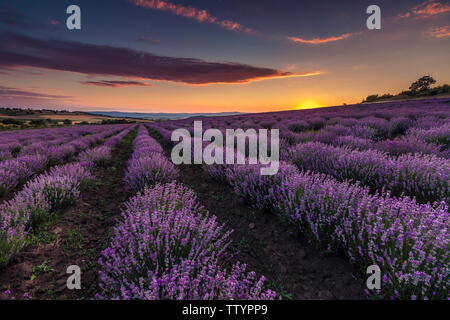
{"x": 76, "y": 238}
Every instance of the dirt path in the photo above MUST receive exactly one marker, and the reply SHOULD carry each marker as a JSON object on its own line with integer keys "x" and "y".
{"x": 293, "y": 267}
{"x": 75, "y": 238}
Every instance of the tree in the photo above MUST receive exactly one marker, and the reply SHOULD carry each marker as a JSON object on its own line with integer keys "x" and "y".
{"x": 37, "y": 122}
{"x": 371, "y": 98}
{"x": 422, "y": 84}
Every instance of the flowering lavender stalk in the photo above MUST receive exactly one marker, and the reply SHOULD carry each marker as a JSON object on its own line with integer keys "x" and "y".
{"x": 7, "y": 295}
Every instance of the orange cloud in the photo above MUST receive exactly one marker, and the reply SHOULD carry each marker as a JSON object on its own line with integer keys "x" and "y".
{"x": 277, "y": 75}
{"x": 425, "y": 10}
{"x": 192, "y": 13}
{"x": 439, "y": 32}
{"x": 321, "y": 40}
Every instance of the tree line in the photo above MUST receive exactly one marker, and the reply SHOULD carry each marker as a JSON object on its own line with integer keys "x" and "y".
{"x": 419, "y": 88}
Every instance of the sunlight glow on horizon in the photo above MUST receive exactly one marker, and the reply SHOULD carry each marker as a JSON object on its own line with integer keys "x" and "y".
{"x": 309, "y": 105}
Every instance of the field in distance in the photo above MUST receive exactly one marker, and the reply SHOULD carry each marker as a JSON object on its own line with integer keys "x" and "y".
{"x": 14, "y": 118}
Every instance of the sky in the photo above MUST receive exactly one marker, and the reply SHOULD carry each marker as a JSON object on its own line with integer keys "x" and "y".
{"x": 216, "y": 55}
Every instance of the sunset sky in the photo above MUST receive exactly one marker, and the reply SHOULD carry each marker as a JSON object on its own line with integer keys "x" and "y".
{"x": 216, "y": 55}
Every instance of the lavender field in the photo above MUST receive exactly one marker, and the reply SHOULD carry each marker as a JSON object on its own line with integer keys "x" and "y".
{"x": 357, "y": 185}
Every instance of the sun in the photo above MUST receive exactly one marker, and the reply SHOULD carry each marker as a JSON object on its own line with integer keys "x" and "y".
{"x": 308, "y": 105}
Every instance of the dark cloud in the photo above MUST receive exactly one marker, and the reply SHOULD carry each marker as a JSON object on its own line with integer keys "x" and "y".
{"x": 116, "y": 83}
{"x": 7, "y": 92}
{"x": 90, "y": 59}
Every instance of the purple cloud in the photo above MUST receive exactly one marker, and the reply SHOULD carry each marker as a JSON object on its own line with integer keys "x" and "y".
{"x": 9, "y": 93}
{"x": 18, "y": 51}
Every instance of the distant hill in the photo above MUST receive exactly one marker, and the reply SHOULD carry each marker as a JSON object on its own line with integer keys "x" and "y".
{"x": 137, "y": 115}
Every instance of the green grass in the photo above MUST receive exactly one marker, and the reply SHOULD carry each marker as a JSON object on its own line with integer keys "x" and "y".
{"x": 42, "y": 268}
{"x": 73, "y": 243}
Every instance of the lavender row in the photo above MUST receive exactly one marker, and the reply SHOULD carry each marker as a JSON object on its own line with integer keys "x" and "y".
{"x": 437, "y": 134}
{"x": 360, "y": 137}
{"x": 407, "y": 240}
{"x": 27, "y": 142}
{"x": 380, "y": 120}
{"x": 416, "y": 140}
{"x": 165, "y": 134}
{"x": 169, "y": 247}
{"x": 425, "y": 177}
{"x": 45, "y": 195}
{"x": 40, "y": 197}
{"x": 16, "y": 171}
{"x": 100, "y": 155}
{"x": 147, "y": 165}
